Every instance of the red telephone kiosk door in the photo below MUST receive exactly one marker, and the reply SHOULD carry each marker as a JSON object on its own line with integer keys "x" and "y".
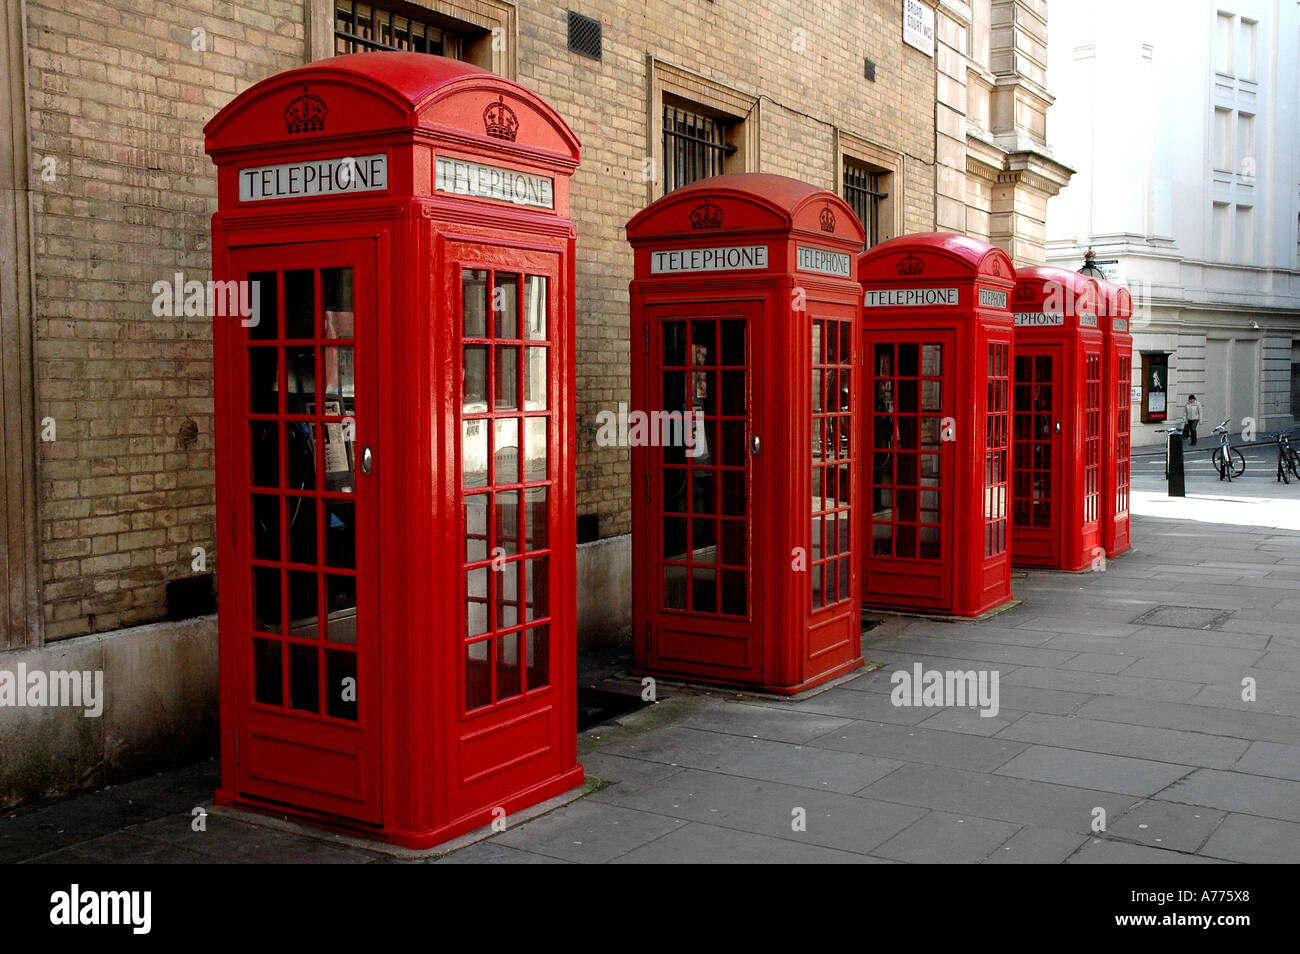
{"x": 1036, "y": 454}
{"x": 308, "y": 659}
{"x": 700, "y": 546}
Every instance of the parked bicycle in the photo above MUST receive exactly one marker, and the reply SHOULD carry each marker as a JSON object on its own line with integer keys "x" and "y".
{"x": 1288, "y": 459}
{"x": 1227, "y": 460}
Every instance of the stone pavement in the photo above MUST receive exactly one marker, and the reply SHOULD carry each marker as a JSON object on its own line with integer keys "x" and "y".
{"x": 1120, "y": 691}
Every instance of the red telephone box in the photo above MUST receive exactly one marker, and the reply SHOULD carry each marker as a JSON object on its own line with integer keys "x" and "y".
{"x": 1058, "y": 433}
{"x": 936, "y": 344}
{"x": 394, "y": 426}
{"x": 744, "y": 542}
{"x": 1117, "y": 414}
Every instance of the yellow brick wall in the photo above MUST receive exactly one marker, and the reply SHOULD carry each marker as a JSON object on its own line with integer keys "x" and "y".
{"x": 119, "y": 98}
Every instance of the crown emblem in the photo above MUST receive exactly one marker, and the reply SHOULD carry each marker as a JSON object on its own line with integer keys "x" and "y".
{"x": 305, "y": 113}
{"x": 1023, "y": 293}
{"x": 500, "y": 121}
{"x": 910, "y": 266}
{"x": 995, "y": 267}
{"x": 706, "y": 216}
{"x": 828, "y": 219}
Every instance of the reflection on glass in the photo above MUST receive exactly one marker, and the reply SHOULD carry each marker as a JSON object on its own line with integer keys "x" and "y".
{"x": 536, "y": 589}
{"x": 509, "y": 672}
{"x": 507, "y": 587}
{"x": 341, "y": 607}
{"x": 476, "y": 529}
{"x": 507, "y": 378}
{"x": 506, "y": 522}
{"x": 537, "y": 657}
{"x": 300, "y": 371}
{"x": 536, "y": 525}
{"x": 535, "y": 448}
{"x": 300, "y": 454}
{"x": 336, "y": 367}
{"x": 535, "y": 396}
{"x": 266, "y": 600}
{"x": 505, "y": 304}
{"x": 304, "y": 610}
{"x": 336, "y": 299}
{"x": 474, "y": 453}
{"x": 535, "y": 307}
{"x": 478, "y": 677}
{"x": 340, "y": 534}
{"x": 473, "y": 292}
{"x": 505, "y": 444}
{"x": 474, "y": 378}
{"x": 476, "y": 596}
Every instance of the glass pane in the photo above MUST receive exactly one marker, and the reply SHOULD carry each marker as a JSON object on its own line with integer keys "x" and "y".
{"x": 336, "y": 299}
{"x": 675, "y": 587}
{"x": 302, "y": 529}
{"x": 341, "y": 684}
{"x": 473, "y": 292}
{"x": 505, "y": 304}
{"x": 537, "y": 656}
{"x": 268, "y": 679}
{"x": 304, "y": 678}
{"x": 476, "y": 596}
{"x": 674, "y": 333}
{"x": 476, "y": 528}
{"x": 506, "y": 522}
{"x": 733, "y": 443}
{"x": 304, "y": 610}
{"x": 703, "y": 538}
{"x": 507, "y": 596}
{"x": 735, "y": 597}
{"x": 674, "y": 537}
{"x": 299, "y": 304}
{"x": 704, "y": 396}
{"x": 732, "y": 333}
{"x": 336, "y": 368}
{"x": 300, "y": 454}
{"x": 535, "y": 395}
{"x": 340, "y": 459}
{"x": 266, "y": 527}
{"x": 509, "y": 683}
{"x": 535, "y": 307}
{"x": 507, "y": 378}
{"x": 266, "y": 600}
{"x": 478, "y": 675}
{"x": 474, "y": 379}
{"x": 505, "y": 449}
{"x": 734, "y": 397}
{"x": 265, "y": 453}
{"x": 733, "y": 492}
{"x": 300, "y": 370}
{"x": 704, "y": 587}
{"x": 732, "y": 547}
{"x": 702, "y": 343}
{"x": 341, "y": 605}
{"x": 263, "y": 292}
{"x": 537, "y": 592}
{"x": 340, "y": 534}
{"x": 702, "y": 496}
{"x": 536, "y": 527}
{"x": 474, "y": 453}
{"x": 535, "y": 448}
{"x": 263, "y": 382}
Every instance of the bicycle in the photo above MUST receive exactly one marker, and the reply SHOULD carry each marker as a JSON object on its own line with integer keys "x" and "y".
{"x": 1226, "y": 458}
{"x": 1288, "y": 460}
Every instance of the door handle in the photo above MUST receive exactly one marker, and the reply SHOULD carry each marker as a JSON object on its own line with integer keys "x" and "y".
{"x": 1058, "y": 430}
{"x": 366, "y": 460}
{"x": 754, "y": 446}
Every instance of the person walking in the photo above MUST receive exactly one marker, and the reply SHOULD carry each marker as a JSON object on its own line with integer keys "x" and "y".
{"x": 1193, "y": 411}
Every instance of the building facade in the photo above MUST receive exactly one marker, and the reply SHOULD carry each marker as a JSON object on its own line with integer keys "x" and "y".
{"x": 923, "y": 114}
{"x": 1181, "y": 120}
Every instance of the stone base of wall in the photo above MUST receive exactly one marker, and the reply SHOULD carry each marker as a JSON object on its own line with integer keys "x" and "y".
{"x": 159, "y": 711}
{"x": 604, "y": 592}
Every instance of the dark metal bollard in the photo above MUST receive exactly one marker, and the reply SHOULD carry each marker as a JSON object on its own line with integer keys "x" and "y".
{"x": 1174, "y": 464}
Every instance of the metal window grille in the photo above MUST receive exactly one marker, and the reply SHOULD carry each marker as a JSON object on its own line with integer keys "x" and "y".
{"x": 359, "y": 28}
{"x": 584, "y": 35}
{"x": 864, "y": 190}
{"x": 695, "y": 147}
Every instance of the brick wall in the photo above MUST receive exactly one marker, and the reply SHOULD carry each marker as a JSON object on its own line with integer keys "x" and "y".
{"x": 118, "y": 100}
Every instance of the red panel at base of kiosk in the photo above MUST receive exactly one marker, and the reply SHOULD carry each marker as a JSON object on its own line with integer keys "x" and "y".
{"x": 1058, "y": 432}
{"x": 394, "y": 426}
{"x": 744, "y": 528}
{"x": 1116, "y": 313}
{"x": 932, "y": 484}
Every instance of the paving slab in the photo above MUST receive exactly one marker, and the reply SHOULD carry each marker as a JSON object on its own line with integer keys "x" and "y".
{"x": 1094, "y": 770}
{"x": 917, "y": 744}
{"x": 587, "y": 831}
{"x": 1098, "y": 851}
{"x": 1166, "y": 825}
{"x": 1270, "y": 758}
{"x": 1255, "y": 840}
{"x": 494, "y": 853}
{"x": 970, "y": 722}
{"x": 1139, "y": 742}
{"x": 941, "y": 838}
{"x": 807, "y": 766}
{"x": 1193, "y": 718}
{"x": 764, "y": 722}
{"x": 706, "y": 844}
{"x": 1036, "y": 846}
{"x": 1238, "y": 792}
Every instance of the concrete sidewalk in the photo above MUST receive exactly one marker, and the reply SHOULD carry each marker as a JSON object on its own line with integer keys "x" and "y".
{"x": 1120, "y": 691}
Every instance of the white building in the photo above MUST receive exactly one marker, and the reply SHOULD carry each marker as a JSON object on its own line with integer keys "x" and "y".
{"x": 1180, "y": 117}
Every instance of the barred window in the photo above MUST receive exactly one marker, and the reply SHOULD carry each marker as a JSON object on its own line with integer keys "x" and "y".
{"x": 864, "y": 191}
{"x": 695, "y": 146}
{"x": 361, "y": 27}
